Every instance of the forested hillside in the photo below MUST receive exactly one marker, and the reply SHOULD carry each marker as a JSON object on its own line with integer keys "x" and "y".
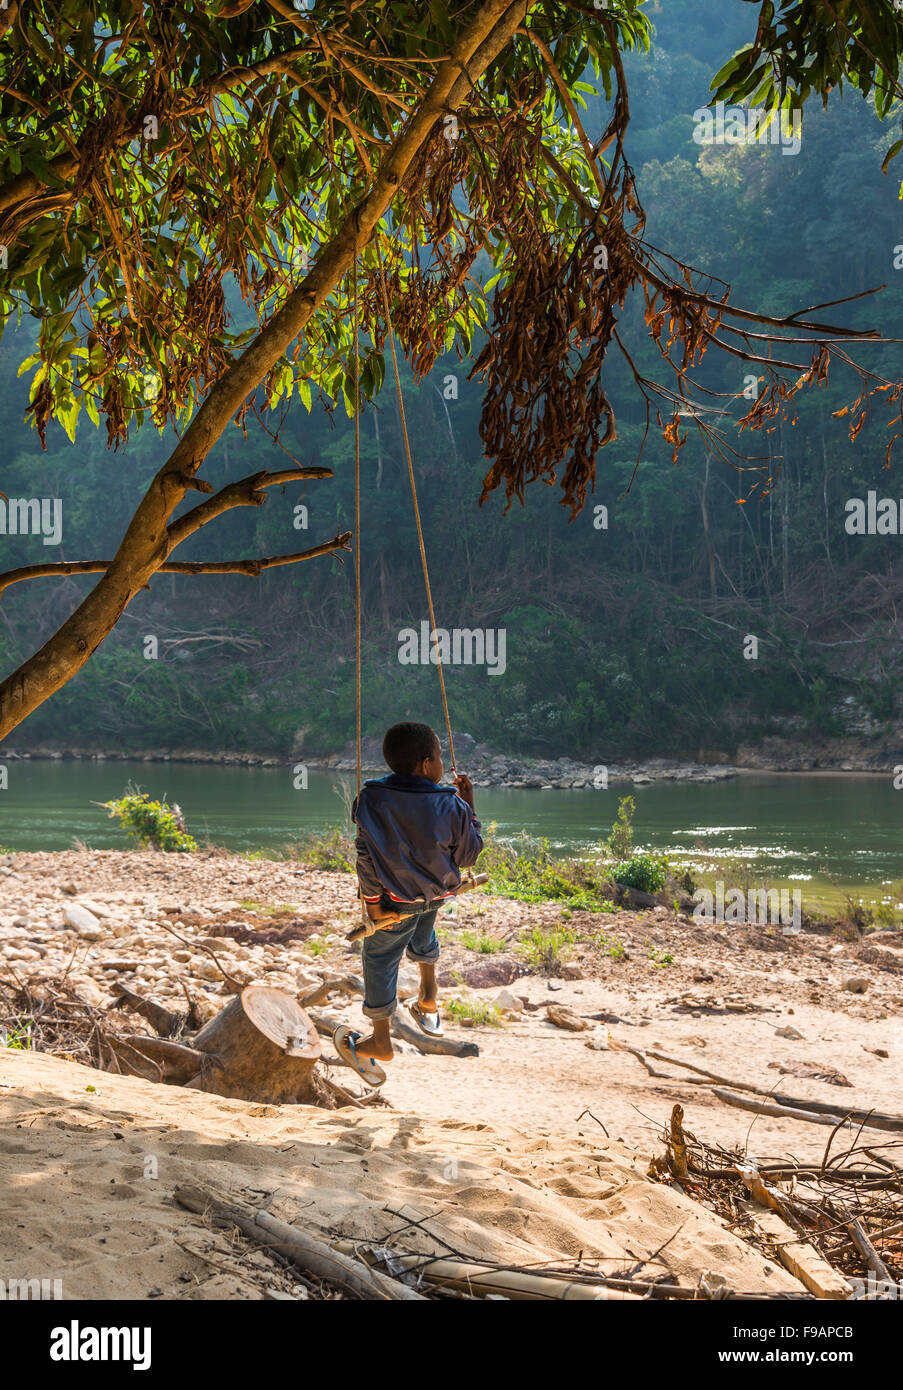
{"x": 622, "y": 638}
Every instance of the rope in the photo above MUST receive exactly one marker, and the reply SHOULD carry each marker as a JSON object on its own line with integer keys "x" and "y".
{"x": 357, "y": 521}
{"x": 365, "y": 920}
{"x": 407, "y": 449}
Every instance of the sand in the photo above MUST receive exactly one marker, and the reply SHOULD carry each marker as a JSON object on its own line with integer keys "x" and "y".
{"x": 536, "y": 1177}
{"x": 88, "y": 1176}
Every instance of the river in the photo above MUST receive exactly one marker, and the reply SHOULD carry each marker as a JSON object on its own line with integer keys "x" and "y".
{"x": 824, "y": 833}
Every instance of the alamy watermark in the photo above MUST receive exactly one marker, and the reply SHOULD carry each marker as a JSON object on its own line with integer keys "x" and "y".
{"x": 749, "y": 125}
{"x": 37, "y": 1290}
{"x": 78, "y": 1343}
{"x": 462, "y": 646}
{"x": 32, "y": 516}
{"x": 760, "y": 907}
{"x": 873, "y": 516}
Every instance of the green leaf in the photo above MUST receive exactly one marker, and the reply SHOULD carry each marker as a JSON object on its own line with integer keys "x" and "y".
{"x": 37, "y": 165}
{"x": 892, "y": 153}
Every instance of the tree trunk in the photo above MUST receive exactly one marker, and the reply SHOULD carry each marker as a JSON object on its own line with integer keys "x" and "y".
{"x": 146, "y": 544}
{"x": 264, "y": 1048}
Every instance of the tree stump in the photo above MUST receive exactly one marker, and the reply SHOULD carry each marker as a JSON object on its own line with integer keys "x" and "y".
{"x": 261, "y": 1047}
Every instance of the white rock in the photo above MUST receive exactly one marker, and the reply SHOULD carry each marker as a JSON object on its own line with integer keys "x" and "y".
{"x": 789, "y": 1032}
{"x": 508, "y": 1002}
{"x": 598, "y": 1043}
{"x": 83, "y": 920}
{"x": 204, "y": 968}
{"x": 99, "y": 909}
{"x": 570, "y": 970}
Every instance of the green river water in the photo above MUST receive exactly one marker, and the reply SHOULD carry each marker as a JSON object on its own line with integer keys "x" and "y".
{"x": 826, "y": 834}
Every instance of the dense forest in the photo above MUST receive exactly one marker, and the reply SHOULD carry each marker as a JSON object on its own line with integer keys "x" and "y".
{"x": 627, "y": 629}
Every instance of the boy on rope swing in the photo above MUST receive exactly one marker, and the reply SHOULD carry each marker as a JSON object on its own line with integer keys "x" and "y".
{"x": 413, "y": 839}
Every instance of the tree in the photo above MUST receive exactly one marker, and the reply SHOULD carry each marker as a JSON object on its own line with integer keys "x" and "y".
{"x": 307, "y": 151}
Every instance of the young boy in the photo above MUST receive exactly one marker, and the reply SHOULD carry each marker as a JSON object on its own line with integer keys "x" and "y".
{"x": 413, "y": 839}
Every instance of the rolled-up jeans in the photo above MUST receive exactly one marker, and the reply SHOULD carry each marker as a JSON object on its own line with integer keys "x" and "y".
{"x": 382, "y": 953}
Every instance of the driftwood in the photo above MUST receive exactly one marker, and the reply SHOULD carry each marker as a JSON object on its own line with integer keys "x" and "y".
{"x": 797, "y": 1255}
{"x": 792, "y": 1106}
{"x": 305, "y": 1251}
{"x": 867, "y": 1250}
{"x": 437, "y": 1047}
{"x": 788, "y": 1112}
{"x": 326, "y": 1024}
{"x": 482, "y": 1281}
{"x": 163, "y": 1021}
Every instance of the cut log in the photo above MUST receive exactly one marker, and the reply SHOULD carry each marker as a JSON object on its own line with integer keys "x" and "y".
{"x": 267, "y": 1050}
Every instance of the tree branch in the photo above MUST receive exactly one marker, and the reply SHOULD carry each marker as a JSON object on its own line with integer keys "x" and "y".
{"x": 246, "y": 492}
{"x": 250, "y": 567}
{"x": 146, "y": 543}
{"x": 27, "y": 185}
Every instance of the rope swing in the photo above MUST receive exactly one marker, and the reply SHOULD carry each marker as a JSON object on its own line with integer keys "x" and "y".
{"x": 357, "y": 508}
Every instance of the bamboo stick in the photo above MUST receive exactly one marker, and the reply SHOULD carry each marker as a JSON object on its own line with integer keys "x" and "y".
{"x": 313, "y": 1256}
{"x": 483, "y": 1281}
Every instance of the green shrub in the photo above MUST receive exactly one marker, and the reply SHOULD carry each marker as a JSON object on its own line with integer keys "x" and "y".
{"x": 17, "y": 1038}
{"x": 484, "y": 1015}
{"x": 620, "y": 841}
{"x": 331, "y": 849}
{"x": 612, "y": 946}
{"x": 544, "y": 951}
{"x": 153, "y": 824}
{"x": 479, "y": 941}
{"x": 526, "y": 871}
{"x": 647, "y": 873}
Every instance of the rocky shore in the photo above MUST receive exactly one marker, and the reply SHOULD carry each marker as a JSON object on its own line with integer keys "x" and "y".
{"x": 491, "y": 769}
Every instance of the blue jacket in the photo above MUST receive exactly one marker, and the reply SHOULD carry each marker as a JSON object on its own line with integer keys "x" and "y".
{"x": 413, "y": 838}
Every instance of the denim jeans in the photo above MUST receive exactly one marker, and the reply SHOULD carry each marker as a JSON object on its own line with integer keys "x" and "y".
{"x": 382, "y": 953}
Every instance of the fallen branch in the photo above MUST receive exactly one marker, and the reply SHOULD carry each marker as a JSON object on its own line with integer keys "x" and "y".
{"x": 867, "y": 1250}
{"x": 787, "y": 1112}
{"x": 310, "y": 1255}
{"x": 482, "y": 1281}
{"x": 874, "y": 1119}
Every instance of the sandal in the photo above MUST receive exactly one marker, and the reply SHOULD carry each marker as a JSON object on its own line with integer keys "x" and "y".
{"x": 427, "y": 1022}
{"x": 368, "y": 1069}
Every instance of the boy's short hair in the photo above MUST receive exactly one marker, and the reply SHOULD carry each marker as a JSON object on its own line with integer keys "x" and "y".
{"x": 406, "y": 745}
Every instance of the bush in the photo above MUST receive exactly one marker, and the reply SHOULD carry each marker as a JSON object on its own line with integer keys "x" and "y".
{"x": 526, "y": 871}
{"x": 480, "y": 941}
{"x": 645, "y": 872}
{"x": 620, "y": 841}
{"x": 331, "y": 849}
{"x": 153, "y": 824}
{"x": 544, "y": 951}
{"x": 483, "y": 1014}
